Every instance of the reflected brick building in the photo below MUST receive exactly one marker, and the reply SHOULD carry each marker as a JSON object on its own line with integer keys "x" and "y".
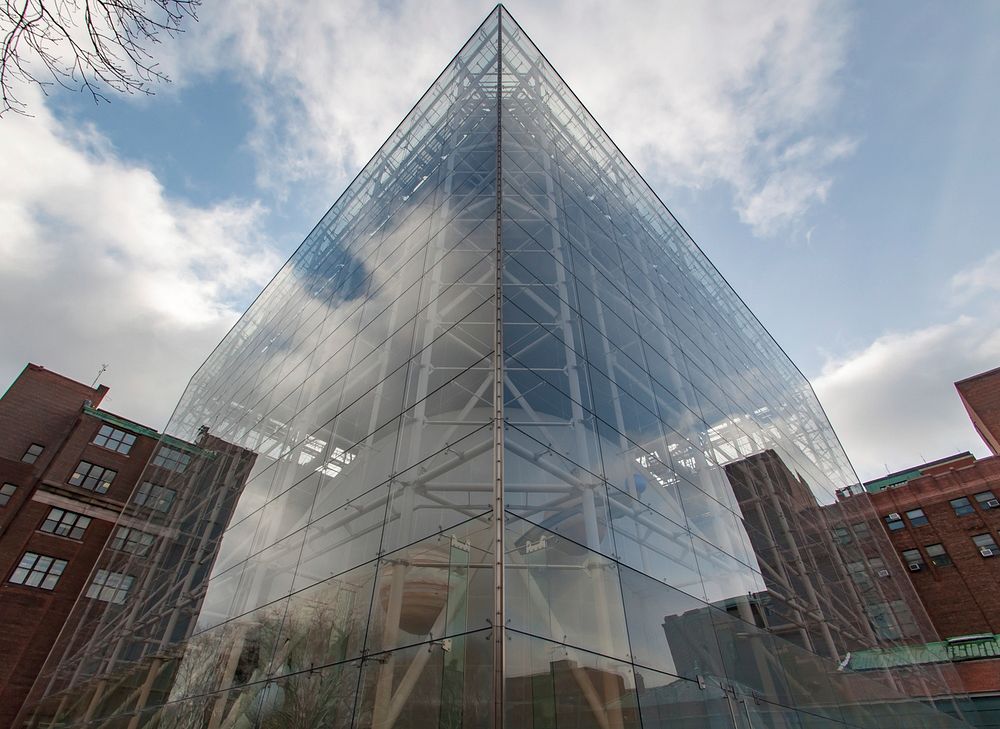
{"x": 76, "y": 479}
{"x": 69, "y": 471}
{"x": 943, "y": 521}
{"x": 495, "y": 401}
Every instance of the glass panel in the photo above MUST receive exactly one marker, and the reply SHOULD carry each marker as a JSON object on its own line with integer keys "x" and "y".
{"x": 685, "y": 542}
{"x": 315, "y": 698}
{"x": 325, "y": 623}
{"x": 342, "y": 539}
{"x": 450, "y": 487}
{"x": 669, "y": 631}
{"x": 443, "y": 683}
{"x": 669, "y": 702}
{"x": 543, "y": 487}
{"x": 649, "y": 542}
{"x": 560, "y": 590}
{"x": 555, "y": 686}
{"x": 441, "y": 586}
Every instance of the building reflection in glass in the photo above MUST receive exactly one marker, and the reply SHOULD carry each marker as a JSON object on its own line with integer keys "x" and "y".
{"x": 517, "y": 455}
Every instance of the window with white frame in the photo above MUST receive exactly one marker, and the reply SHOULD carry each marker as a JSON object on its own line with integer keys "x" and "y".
{"x": 38, "y": 570}
{"x": 152, "y": 496}
{"x": 110, "y": 587}
{"x": 171, "y": 459}
{"x": 64, "y": 523}
{"x": 92, "y": 477}
{"x": 114, "y": 439}
{"x": 34, "y": 451}
{"x": 132, "y": 540}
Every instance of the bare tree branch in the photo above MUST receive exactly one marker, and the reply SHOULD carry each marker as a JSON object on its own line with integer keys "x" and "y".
{"x": 86, "y": 45}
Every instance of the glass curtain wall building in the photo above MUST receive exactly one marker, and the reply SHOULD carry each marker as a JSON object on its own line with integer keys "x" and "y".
{"x": 521, "y": 457}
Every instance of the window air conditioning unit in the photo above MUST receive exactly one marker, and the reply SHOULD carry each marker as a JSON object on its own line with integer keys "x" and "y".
{"x": 986, "y": 552}
{"x": 894, "y": 516}
{"x": 914, "y": 566}
{"x": 883, "y": 573}
{"x": 993, "y": 503}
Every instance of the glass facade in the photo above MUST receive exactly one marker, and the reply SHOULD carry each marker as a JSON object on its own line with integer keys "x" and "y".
{"x": 497, "y": 446}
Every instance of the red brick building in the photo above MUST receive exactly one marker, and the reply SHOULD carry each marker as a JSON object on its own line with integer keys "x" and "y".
{"x": 943, "y": 519}
{"x": 981, "y": 396}
{"x": 67, "y": 473}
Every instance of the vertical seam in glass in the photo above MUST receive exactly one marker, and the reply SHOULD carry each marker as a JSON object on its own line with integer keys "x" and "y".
{"x": 498, "y": 498}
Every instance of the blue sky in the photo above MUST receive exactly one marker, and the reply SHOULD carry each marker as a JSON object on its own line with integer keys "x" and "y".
{"x": 836, "y": 160}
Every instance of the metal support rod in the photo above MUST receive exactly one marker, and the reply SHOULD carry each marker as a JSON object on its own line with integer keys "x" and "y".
{"x": 499, "y": 639}
{"x": 147, "y": 687}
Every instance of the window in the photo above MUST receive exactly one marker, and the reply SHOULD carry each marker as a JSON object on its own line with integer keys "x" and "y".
{"x": 904, "y": 618}
{"x": 38, "y": 570}
{"x": 894, "y": 522}
{"x": 6, "y": 492}
{"x": 114, "y": 439}
{"x": 986, "y": 545}
{"x": 913, "y": 559}
{"x": 93, "y": 478}
{"x": 34, "y": 451}
{"x": 962, "y": 506}
{"x": 917, "y": 517}
{"x": 860, "y": 530}
{"x": 158, "y": 498}
{"x": 939, "y": 557}
{"x": 987, "y": 500}
{"x": 171, "y": 459}
{"x": 110, "y": 586}
{"x": 859, "y": 574}
{"x": 65, "y": 523}
{"x": 132, "y": 540}
{"x": 841, "y": 535}
{"x": 892, "y": 620}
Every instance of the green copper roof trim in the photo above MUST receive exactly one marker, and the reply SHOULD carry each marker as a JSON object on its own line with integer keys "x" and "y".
{"x": 873, "y": 487}
{"x": 900, "y": 477}
{"x": 945, "y": 651}
{"x": 138, "y": 429}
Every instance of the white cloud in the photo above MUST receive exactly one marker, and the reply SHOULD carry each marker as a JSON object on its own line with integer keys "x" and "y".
{"x": 724, "y": 92}
{"x": 327, "y": 81}
{"x": 696, "y": 93}
{"x": 894, "y": 404}
{"x": 101, "y": 266}
{"x": 983, "y": 278}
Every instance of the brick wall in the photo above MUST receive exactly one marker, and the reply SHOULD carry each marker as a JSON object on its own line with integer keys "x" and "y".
{"x": 41, "y": 407}
{"x": 981, "y": 396}
{"x": 46, "y": 408}
{"x": 962, "y": 598}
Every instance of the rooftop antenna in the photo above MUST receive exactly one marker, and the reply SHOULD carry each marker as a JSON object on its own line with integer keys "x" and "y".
{"x": 104, "y": 368}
